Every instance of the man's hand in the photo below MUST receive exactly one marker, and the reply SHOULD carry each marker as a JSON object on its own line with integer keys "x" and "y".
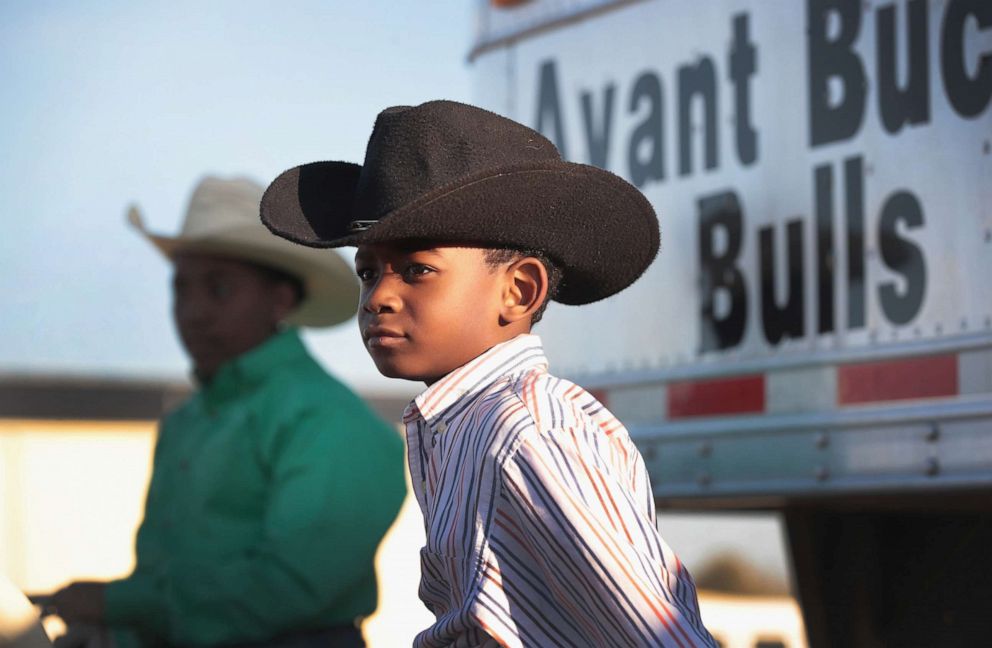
{"x": 80, "y": 602}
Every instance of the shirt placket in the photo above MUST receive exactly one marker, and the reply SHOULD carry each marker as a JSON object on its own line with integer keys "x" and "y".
{"x": 419, "y": 461}
{"x": 434, "y": 454}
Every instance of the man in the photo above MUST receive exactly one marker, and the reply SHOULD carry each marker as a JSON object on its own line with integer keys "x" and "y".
{"x": 273, "y": 484}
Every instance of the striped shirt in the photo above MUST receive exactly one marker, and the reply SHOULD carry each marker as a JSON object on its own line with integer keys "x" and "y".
{"x": 539, "y": 515}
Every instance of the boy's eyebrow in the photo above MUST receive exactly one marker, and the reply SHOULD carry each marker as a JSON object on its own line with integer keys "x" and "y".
{"x": 411, "y": 248}
{"x": 432, "y": 251}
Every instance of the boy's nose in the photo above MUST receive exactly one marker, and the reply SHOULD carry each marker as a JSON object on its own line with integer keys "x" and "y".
{"x": 381, "y": 298}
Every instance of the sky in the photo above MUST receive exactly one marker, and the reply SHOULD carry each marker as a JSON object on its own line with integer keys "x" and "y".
{"x": 106, "y": 103}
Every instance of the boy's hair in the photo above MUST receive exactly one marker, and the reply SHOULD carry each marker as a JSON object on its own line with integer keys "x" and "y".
{"x": 496, "y": 257}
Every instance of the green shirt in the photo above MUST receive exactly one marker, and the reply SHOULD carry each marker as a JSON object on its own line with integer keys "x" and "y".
{"x": 272, "y": 487}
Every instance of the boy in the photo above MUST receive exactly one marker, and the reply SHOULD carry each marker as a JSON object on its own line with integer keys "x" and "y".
{"x": 538, "y": 511}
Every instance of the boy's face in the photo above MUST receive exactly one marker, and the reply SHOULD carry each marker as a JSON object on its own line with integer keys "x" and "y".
{"x": 424, "y": 312}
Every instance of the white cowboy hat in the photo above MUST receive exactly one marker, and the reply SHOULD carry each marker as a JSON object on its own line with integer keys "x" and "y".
{"x": 222, "y": 218}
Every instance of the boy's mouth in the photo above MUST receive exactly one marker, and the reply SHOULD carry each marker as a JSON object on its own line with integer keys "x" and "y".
{"x": 382, "y": 338}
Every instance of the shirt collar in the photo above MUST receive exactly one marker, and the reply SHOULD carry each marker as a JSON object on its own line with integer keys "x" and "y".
{"x": 520, "y": 354}
{"x": 255, "y": 364}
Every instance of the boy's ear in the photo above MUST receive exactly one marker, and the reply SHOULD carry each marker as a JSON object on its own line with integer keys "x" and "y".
{"x": 524, "y": 290}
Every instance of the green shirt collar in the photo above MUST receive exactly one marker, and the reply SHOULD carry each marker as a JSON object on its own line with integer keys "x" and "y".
{"x": 253, "y": 365}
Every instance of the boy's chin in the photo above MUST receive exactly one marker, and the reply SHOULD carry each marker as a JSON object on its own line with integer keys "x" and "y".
{"x": 402, "y": 372}
{"x": 395, "y": 370}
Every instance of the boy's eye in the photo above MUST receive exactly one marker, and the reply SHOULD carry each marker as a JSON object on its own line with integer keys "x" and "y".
{"x": 365, "y": 274}
{"x": 415, "y": 270}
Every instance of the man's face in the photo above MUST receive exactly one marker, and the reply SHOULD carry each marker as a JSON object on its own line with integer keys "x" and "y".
{"x": 425, "y": 312}
{"x": 223, "y": 308}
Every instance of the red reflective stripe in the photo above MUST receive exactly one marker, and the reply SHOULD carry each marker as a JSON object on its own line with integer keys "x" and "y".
{"x": 739, "y": 395}
{"x": 924, "y": 377}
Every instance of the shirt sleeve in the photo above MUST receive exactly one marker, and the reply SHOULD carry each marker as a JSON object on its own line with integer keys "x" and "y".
{"x": 332, "y": 497}
{"x": 582, "y": 505}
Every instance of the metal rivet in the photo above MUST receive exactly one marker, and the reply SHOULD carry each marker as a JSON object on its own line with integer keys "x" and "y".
{"x": 822, "y": 440}
{"x": 933, "y": 466}
{"x": 933, "y": 433}
{"x": 705, "y": 449}
{"x": 822, "y": 473}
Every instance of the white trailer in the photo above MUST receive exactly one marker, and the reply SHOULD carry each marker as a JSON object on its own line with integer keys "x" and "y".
{"x": 815, "y": 337}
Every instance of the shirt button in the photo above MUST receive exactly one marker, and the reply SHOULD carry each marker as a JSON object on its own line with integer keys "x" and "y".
{"x": 442, "y": 427}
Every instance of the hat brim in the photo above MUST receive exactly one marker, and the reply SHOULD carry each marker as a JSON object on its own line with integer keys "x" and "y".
{"x": 600, "y": 229}
{"x": 331, "y": 287}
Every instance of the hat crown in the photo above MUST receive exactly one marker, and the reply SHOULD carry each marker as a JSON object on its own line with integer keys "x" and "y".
{"x": 415, "y": 151}
{"x": 219, "y": 205}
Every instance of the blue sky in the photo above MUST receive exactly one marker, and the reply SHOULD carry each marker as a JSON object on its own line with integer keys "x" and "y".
{"x": 107, "y": 103}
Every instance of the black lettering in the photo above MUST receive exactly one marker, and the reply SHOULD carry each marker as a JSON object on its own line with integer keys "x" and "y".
{"x": 720, "y": 273}
{"x": 834, "y": 59}
{"x": 598, "y": 140}
{"x": 743, "y": 65}
{"x": 549, "y": 107}
{"x": 648, "y": 134}
{"x": 902, "y": 256}
{"x": 826, "y": 258}
{"x": 782, "y": 321}
{"x": 855, "y": 210}
{"x": 697, "y": 80}
{"x": 823, "y": 180}
{"x": 968, "y": 95}
{"x": 909, "y": 104}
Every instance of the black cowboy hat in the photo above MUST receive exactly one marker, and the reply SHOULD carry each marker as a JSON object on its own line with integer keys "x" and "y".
{"x": 449, "y": 172}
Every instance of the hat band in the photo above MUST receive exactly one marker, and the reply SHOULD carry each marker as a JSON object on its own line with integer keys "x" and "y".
{"x": 361, "y": 225}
